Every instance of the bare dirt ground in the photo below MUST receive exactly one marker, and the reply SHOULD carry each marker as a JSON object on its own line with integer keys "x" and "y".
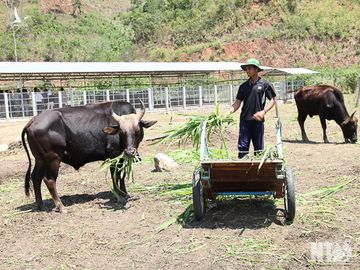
{"x": 97, "y": 233}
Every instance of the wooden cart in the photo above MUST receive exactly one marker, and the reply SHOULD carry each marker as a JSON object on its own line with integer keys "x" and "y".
{"x": 242, "y": 177}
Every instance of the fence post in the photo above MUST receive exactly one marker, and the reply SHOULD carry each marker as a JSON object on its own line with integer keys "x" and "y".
{"x": 231, "y": 94}
{"x": 167, "y": 98}
{"x": 215, "y": 94}
{"x": 127, "y": 95}
{"x": 60, "y": 99}
{"x": 184, "y": 96}
{"x": 107, "y": 95}
{"x": 84, "y": 97}
{"x": 34, "y": 103}
{"x": 151, "y": 104}
{"x": 200, "y": 96}
{"x": 6, "y": 100}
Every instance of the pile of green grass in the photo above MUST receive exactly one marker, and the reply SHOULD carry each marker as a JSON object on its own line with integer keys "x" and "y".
{"x": 122, "y": 164}
{"x": 191, "y": 129}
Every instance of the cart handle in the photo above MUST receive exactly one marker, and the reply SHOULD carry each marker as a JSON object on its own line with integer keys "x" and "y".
{"x": 278, "y": 132}
{"x": 204, "y": 150}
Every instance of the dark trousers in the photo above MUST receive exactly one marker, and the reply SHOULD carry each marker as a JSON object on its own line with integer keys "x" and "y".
{"x": 250, "y": 130}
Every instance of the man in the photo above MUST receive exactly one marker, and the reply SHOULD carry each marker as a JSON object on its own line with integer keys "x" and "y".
{"x": 253, "y": 93}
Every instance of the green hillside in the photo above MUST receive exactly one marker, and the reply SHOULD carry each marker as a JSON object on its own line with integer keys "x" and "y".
{"x": 323, "y": 34}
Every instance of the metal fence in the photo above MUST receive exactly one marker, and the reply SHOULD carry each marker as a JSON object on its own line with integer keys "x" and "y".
{"x": 15, "y": 105}
{"x": 285, "y": 90}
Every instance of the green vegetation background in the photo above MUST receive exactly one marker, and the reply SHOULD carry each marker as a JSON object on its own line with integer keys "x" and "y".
{"x": 162, "y": 30}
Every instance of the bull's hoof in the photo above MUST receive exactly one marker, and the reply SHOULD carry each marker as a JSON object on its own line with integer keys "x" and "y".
{"x": 132, "y": 198}
{"x": 122, "y": 200}
{"x": 304, "y": 138}
{"x": 40, "y": 208}
{"x": 61, "y": 209}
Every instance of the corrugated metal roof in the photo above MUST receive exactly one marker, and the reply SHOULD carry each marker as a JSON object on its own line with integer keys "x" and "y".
{"x": 99, "y": 67}
{"x": 56, "y": 70}
{"x": 290, "y": 71}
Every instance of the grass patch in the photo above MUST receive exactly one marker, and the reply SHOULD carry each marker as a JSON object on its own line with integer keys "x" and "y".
{"x": 180, "y": 219}
{"x": 247, "y": 247}
{"x": 177, "y": 193}
{"x": 322, "y": 204}
{"x": 147, "y": 159}
{"x": 9, "y": 198}
{"x": 327, "y": 191}
{"x": 9, "y": 187}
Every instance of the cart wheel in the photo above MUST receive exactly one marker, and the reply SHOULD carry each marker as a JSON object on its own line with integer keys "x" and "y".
{"x": 198, "y": 197}
{"x": 289, "y": 195}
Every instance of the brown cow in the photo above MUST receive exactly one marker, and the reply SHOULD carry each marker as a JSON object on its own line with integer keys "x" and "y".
{"x": 327, "y": 102}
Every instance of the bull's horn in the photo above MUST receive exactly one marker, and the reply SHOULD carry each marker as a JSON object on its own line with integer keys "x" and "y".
{"x": 141, "y": 113}
{"x": 116, "y": 117}
{"x": 345, "y": 121}
{"x": 352, "y": 116}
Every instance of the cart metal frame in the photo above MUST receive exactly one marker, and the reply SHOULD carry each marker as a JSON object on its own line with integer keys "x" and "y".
{"x": 243, "y": 177}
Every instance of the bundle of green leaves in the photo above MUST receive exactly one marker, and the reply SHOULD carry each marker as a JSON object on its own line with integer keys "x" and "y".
{"x": 191, "y": 129}
{"x": 122, "y": 164}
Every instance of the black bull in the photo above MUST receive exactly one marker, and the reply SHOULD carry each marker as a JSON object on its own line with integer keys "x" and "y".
{"x": 327, "y": 102}
{"x": 77, "y": 136}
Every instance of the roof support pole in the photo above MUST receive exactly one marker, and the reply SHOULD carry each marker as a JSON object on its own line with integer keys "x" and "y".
{"x": 22, "y": 102}
{"x": 215, "y": 94}
{"x": 34, "y": 103}
{"x": 60, "y": 99}
{"x": 184, "y": 96}
{"x": 200, "y": 96}
{"x": 6, "y": 103}
{"x": 127, "y": 95}
{"x": 72, "y": 98}
{"x": 84, "y": 97}
{"x": 151, "y": 104}
{"x": 167, "y": 98}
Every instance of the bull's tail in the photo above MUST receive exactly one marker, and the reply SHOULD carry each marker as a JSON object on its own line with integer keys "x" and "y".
{"x": 27, "y": 176}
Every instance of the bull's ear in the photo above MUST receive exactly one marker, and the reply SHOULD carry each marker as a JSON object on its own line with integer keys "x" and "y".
{"x": 147, "y": 124}
{"x": 111, "y": 130}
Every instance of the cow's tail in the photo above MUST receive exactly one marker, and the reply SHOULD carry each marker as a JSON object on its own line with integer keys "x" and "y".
{"x": 27, "y": 176}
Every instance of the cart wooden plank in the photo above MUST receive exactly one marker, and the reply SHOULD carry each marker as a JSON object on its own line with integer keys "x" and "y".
{"x": 242, "y": 176}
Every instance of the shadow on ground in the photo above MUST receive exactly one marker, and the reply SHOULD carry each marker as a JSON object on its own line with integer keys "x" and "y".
{"x": 307, "y": 142}
{"x": 239, "y": 214}
{"x": 110, "y": 202}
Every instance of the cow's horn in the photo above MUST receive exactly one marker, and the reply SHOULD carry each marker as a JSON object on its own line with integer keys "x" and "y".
{"x": 116, "y": 117}
{"x": 141, "y": 113}
{"x": 352, "y": 116}
{"x": 345, "y": 121}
